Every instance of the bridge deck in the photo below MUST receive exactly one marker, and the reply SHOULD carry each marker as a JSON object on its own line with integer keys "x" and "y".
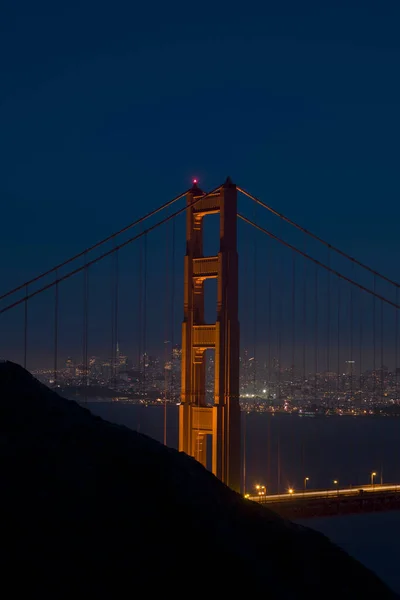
{"x": 314, "y": 503}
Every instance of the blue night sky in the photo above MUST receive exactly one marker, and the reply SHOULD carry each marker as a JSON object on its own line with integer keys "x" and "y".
{"x": 109, "y": 109}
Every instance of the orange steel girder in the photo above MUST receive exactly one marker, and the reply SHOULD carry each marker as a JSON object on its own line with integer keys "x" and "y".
{"x": 222, "y": 420}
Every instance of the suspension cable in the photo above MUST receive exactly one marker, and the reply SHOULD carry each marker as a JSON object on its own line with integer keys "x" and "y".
{"x": 381, "y": 358}
{"x": 279, "y": 333}
{"x": 293, "y": 326}
{"x": 361, "y": 346}
{"x": 316, "y": 335}
{"x": 112, "y": 322}
{"x": 351, "y": 341}
{"x": 315, "y": 237}
{"x": 255, "y": 316}
{"x": 167, "y": 362}
{"x": 172, "y": 394}
{"x": 55, "y": 335}
{"x": 97, "y": 244}
{"x": 317, "y": 262}
{"x": 374, "y": 338}
{"x": 140, "y": 321}
{"x": 338, "y": 378}
{"x": 85, "y": 329}
{"x": 396, "y": 346}
{"x": 304, "y": 315}
{"x": 26, "y": 326}
{"x": 328, "y": 347}
{"x": 115, "y": 317}
{"x": 145, "y": 355}
{"x": 105, "y": 254}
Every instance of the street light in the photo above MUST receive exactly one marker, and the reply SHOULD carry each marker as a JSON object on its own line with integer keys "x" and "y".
{"x": 290, "y": 490}
{"x": 372, "y": 478}
{"x": 305, "y": 482}
{"x": 261, "y": 490}
{"x": 335, "y": 482}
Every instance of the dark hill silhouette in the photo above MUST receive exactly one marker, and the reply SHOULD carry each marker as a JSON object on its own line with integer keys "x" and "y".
{"x": 94, "y": 508}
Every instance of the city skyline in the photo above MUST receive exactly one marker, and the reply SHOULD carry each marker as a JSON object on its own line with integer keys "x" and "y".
{"x": 280, "y": 388}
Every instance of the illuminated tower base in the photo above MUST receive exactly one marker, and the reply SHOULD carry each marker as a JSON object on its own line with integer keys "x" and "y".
{"x": 222, "y": 420}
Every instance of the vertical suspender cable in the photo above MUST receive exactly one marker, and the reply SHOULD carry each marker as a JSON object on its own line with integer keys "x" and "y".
{"x": 269, "y": 327}
{"x": 247, "y": 313}
{"x": 26, "y": 326}
{"x": 382, "y": 370}
{"x": 293, "y": 357}
{"x": 255, "y": 315}
{"x": 382, "y": 384}
{"x": 338, "y": 343}
{"x": 351, "y": 364}
{"x": 145, "y": 314}
{"x": 113, "y": 340}
{"x": 328, "y": 347}
{"x": 316, "y": 336}
{"x": 293, "y": 354}
{"x": 360, "y": 349}
{"x": 85, "y": 330}
{"x": 396, "y": 355}
{"x": 351, "y": 340}
{"x": 173, "y": 309}
{"x": 269, "y": 343}
{"x": 396, "y": 344}
{"x": 304, "y": 329}
{"x": 374, "y": 339}
{"x": 116, "y": 314}
{"x": 140, "y": 319}
{"x": 166, "y": 335}
{"x": 56, "y": 331}
{"x": 279, "y": 335}
{"x": 244, "y": 452}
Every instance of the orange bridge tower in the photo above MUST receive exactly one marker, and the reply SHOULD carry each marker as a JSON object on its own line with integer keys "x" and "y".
{"x": 197, "y": 420}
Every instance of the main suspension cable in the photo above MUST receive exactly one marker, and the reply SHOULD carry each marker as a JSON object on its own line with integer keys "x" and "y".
{"x": 317, "y": 238}
{"x": 96, "y": 245}
{"x": 317, "y": 262}
{"x": 105, "y": 254}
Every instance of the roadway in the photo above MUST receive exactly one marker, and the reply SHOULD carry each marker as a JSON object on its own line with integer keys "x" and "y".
{"x": 314, "y": 494}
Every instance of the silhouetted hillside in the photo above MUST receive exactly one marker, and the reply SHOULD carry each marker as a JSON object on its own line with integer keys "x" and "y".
{"x": 105, "y": 510}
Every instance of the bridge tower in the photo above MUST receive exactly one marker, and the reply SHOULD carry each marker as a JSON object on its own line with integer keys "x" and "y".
{"x": 222, "y": 420}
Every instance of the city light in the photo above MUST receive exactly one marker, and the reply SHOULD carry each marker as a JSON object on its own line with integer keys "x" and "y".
{"x": 264, "y": 396}
{"x": 290, "y": 490}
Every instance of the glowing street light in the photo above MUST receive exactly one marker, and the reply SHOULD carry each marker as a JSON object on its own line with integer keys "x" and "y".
{"x": 261, "y": 490}
{"x": 335, "y": 482}
{"x": 372, "y": 478}
{"x": 305, "y": 482}
{"x": 290, "y": 490}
